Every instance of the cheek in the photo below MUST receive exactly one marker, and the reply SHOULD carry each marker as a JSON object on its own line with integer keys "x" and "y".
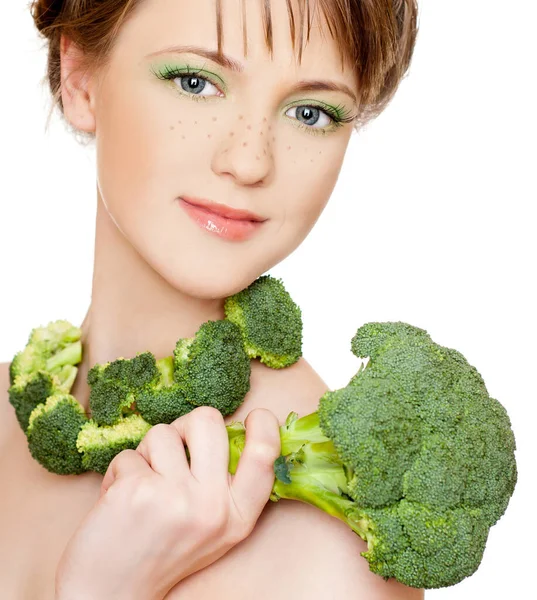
{"x": 132, "y": 152}
{"x": 316, "y": 185}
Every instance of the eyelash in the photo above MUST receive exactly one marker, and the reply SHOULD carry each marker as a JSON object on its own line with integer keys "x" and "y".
{"x": 339, "y": 115}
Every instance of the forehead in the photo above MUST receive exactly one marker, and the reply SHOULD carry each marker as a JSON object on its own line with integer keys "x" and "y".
{"x": 247, "y": 29}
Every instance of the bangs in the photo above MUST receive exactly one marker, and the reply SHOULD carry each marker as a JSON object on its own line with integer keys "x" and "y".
{"x": 336, "y": 15}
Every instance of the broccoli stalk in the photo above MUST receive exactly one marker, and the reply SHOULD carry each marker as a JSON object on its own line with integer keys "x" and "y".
{"x": 413, "y": 455}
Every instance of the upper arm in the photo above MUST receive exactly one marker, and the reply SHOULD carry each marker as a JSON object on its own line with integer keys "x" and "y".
{"x": 315, "y": 555}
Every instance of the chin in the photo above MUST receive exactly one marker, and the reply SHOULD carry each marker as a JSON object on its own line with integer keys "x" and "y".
{"x": 208, "y": 281}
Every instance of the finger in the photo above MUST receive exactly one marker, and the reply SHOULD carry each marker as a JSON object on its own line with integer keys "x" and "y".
{"x": 163, "y": 449}
{"x": 204, "y": 431}
{"x": 127, "y": 462}
{"x": 252, "y": 483}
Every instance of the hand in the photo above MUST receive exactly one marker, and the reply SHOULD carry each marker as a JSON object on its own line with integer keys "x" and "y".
{"x": 158, "y": 519}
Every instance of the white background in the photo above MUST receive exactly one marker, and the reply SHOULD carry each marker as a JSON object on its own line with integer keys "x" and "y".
{"x": 431, "y": 222}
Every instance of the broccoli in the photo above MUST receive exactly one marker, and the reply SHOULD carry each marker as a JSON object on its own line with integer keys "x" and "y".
{"x": 99, "y": 445}
{"x": 162, "y": 400}
{"x": 413, "y": 455}
{"x": 45, "y": 367}
{"x": 213, "y": 367}
{"x": 270, "y": 322}
{"x": 113, "y": 385}
{"x": 52, "y": 433}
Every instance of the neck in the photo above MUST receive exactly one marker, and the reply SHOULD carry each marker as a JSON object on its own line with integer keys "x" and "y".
{"x": 133, "y": 309}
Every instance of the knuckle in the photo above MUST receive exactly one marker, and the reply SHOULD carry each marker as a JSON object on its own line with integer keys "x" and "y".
{"x": 263, "y": 454}
{"x": 157, "y": 430}
{"x": 208, "y": 413}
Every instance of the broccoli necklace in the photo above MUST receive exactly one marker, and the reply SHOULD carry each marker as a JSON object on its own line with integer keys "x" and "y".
{"x": 129, "y": 396}
{"x": 413, "y": 454}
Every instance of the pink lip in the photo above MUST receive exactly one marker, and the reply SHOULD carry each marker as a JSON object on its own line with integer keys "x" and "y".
{"x": 233, "y": 225}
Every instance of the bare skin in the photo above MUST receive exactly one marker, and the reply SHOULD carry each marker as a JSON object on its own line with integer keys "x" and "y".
{"x": 39, "y": 512}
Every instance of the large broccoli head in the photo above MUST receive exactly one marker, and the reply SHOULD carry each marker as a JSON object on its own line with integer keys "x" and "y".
{"x": 430, "y": 455}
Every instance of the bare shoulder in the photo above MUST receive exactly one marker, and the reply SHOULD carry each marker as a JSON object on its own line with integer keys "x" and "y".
{"x": 296, "y": 388}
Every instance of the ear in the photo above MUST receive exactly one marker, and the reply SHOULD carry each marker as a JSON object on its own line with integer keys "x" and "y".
{"x": 76, "y": 88}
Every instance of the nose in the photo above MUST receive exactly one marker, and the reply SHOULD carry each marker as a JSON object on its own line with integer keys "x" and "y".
{"x": 245, "y": 152}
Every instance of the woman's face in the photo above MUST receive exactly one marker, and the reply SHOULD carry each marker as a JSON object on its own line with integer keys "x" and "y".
{"x": 243, "y": 139}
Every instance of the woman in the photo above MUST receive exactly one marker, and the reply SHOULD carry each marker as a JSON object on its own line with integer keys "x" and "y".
{"x": 187, "y": 136}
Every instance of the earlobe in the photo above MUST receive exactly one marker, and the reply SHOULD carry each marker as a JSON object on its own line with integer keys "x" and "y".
{"x": 75, "y": 88}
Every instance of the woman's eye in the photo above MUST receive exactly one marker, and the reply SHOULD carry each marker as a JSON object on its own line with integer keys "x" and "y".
{"x": 195, "y": 85}
{"x": 311, "y": 114}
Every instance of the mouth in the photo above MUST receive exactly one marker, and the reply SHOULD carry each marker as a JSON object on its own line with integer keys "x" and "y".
{"x": 221, "y": 220}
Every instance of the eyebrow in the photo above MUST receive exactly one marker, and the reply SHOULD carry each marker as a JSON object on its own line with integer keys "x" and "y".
{"x": 229, "y": 63}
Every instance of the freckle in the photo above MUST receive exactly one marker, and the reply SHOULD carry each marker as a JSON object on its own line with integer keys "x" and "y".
{"x": 257, "y": 157}
{"x": 248, "y": 127}
{"x": 269, "y": 127}
{"x": 195, "y": 122}
{"x": 320, "y": 152}
{"x": 264, "y": 152}
{"x": 265, "y": 119}
{"x": 273, "y": 139}
{"x": 311, "y": 160}
{"x": 208, "y": 135}
{"x": 180, "y": 122}
{"x": 288, "y": 147}
{"x": 214, "y": 118}
{"x": 231, "y": 133}
{"x": 240, "y": 117}
{"x": 245, "y": 143}
{"x": 172, "y": 127}
{"x": 183, "y": 136}
{"x": 260, "y": 133}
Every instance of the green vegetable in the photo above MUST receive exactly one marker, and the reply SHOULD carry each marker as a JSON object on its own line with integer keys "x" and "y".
{"x": 213, "y": 368}
{"x": 52, "y": 433}
{"x": 270, "y": 322}
{"x": 413, "y": 455}
{"x": 45, "y": 367}
{"x": 113, "y": 386}
{"x": 99, "y": 445}
{"x": 162, "y": 400}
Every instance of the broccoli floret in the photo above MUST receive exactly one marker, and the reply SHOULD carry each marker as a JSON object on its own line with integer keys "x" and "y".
{"x": 30, "y": 390}
{"x": 52, "y": 432}
{"x": 213, "y": 368}
{"x": 99, "y": 445}
{"x": 48, "y": 349}
{"x": 45, "y": 367}
{"x": 113, "y": 386}
{"x": 270, "y": 322}
{"x": 162, "y": 400}
{"x": 413, "y": 455}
